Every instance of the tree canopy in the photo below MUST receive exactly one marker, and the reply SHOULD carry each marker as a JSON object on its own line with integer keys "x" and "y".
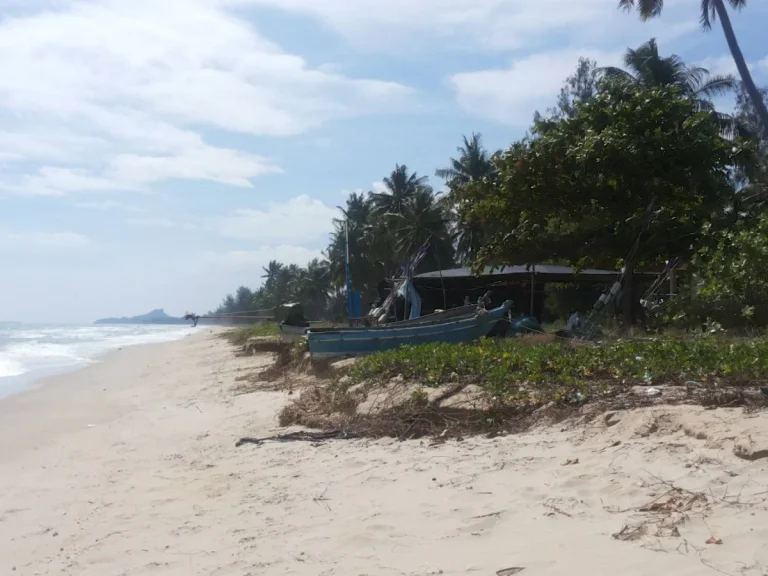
{"x": 632, "y": 161}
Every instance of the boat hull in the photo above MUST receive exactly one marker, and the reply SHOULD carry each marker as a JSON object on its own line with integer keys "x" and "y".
{"x": 291, "y": 333}
{"x": 356, "y": 342}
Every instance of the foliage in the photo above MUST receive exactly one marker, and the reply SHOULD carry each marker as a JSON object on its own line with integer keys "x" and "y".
{"x": 240, "y": 336}
{"x": 648, "y": 68}
{"x": 711, "y": 10}
{"x": 632, "y": 161}
{"x": 473, "y": 166}
{"x": 513, "y": 368}
{"x": 732, "y": 286}
{"x": 578, "y": 88}
{"x": 754, "y": 177}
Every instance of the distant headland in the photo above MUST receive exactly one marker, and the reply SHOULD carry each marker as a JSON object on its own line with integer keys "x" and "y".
{"x": 157, "y": 316}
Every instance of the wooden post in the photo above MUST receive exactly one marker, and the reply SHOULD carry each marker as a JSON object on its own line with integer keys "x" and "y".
{"x": 533, "y": 288}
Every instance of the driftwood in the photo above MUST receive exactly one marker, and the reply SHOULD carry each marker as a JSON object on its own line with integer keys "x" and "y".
{"x": 301, "y": 437}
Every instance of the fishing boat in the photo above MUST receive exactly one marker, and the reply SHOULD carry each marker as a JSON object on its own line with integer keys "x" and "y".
{"x": 328, "y": 343}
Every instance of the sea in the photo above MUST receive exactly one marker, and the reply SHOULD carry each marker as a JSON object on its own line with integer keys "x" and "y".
{"x": 29, "y": 352}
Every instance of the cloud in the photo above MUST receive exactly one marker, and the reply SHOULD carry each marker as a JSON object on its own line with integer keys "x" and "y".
{"x": 45, "y": 240}
{"x": 483, "y": 24}
{"x": 299, "y": 220}
{"x": 117, "y": 94}
{"x": 512, "y": 95}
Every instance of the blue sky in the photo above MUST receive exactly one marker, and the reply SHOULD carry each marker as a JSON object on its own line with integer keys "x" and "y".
{"x": 158, "y": 154}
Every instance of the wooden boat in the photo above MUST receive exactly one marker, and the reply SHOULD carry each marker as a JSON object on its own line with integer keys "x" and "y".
{"x": 290, "y": 333}
{"x": 326, "y": 343}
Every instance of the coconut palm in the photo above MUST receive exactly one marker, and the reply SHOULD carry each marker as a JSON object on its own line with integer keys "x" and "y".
{"x": 400, "y": 186}
{"x": 646, "y": 67}
{"x": 473, "y": 163}
{"x": 423, "y": 219}
{"x": 711, "y": 10}
{"x": 312, "y": 287}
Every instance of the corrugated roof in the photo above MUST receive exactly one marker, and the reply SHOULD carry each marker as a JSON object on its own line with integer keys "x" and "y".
{"x": 541, "y": 270}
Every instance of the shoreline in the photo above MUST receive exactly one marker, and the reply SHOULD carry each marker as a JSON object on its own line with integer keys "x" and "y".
{"x": 32, "y": 378}
{"x": 130, "y": 467}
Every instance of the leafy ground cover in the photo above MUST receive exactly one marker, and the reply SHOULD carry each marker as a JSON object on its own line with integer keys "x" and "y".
{"x": 516, "y": 368}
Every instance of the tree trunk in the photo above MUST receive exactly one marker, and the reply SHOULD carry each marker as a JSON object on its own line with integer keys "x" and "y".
{"x": 628, "y": 295}
{"x": 741, "y": 65}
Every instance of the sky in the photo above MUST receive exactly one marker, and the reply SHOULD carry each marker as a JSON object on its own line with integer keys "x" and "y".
{"x": 160, "y": 153}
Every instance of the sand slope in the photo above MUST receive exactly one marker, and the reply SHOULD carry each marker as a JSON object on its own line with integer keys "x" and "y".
{"x": 155, "y": 485}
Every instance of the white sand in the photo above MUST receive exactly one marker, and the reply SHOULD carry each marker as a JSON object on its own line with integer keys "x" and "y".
{"x": 129, "y": 468}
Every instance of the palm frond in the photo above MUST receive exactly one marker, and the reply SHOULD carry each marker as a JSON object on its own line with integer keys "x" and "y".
{"x": 715, "y": 86}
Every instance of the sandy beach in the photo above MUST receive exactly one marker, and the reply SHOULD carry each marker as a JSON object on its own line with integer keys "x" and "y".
{"x": 129, "y": 467}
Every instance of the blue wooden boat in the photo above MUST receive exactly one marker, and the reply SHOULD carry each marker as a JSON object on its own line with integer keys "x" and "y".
{"x": 356, "y": 342}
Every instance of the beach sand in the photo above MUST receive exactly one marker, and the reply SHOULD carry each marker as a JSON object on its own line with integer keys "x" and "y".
{"x": 129, "y": 467}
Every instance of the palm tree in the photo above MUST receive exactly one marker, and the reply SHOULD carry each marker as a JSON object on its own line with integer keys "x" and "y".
{"x": 401, "y": 187}
{"x": 312, "y": 287}
{"x": 423, "y": 219}
{"x": 710, "y": 10}
{"x": 472, "y": 164}
{"x": 648, "y": 68}
{"x": 271, "y": 273}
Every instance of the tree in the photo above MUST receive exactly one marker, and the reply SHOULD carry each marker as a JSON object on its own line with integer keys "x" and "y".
{"x": 631, "y": 178}
{"x": 648, "y": 68}
{"x": 578, "y": 88}
{"x": 400, "y": 186}
{"x": 423, "y": 220}
{"x": 754, "y": 178}
{"x": 733, "y": 278}
{"x": 271, "y": 273}
{"x": 312, "y": 287}
{"x": 472, "y": 166}
{"x": 243, "y": 299}
{"x": 711, "y": 10}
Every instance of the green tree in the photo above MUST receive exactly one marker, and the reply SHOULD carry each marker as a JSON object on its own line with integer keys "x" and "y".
{"x": 711, "y": 10}
{"x": 647, "y": 68}
{"x": 578, "y": 88}
{"x": 732, "y": 279}
{"x": 271, "y": 273}
{"x": 633, "y": 163}
{"x": 472, "y": 166}
{"x": 243, "y": 299}
{"x": 311, "y": 287}
{"x": 401, "y": 186}
{"x": 754, "y": 178}
{"x": 473, "y": 163}
{"x": 422, "y": 220}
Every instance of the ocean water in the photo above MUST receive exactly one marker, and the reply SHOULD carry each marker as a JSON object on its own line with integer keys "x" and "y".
{"x": 29, "y": 352}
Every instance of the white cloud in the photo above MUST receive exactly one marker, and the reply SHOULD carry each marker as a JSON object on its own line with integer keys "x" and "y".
{"x": 489, "y": 24}
{"x": 719, "y": 65}
{"x": 22, "y": 240}
{"x": 299, "y": 220}
{"x": 117, "y": 91}
{"x": 379, "y": 187}
{"x": 512, "y": 95}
